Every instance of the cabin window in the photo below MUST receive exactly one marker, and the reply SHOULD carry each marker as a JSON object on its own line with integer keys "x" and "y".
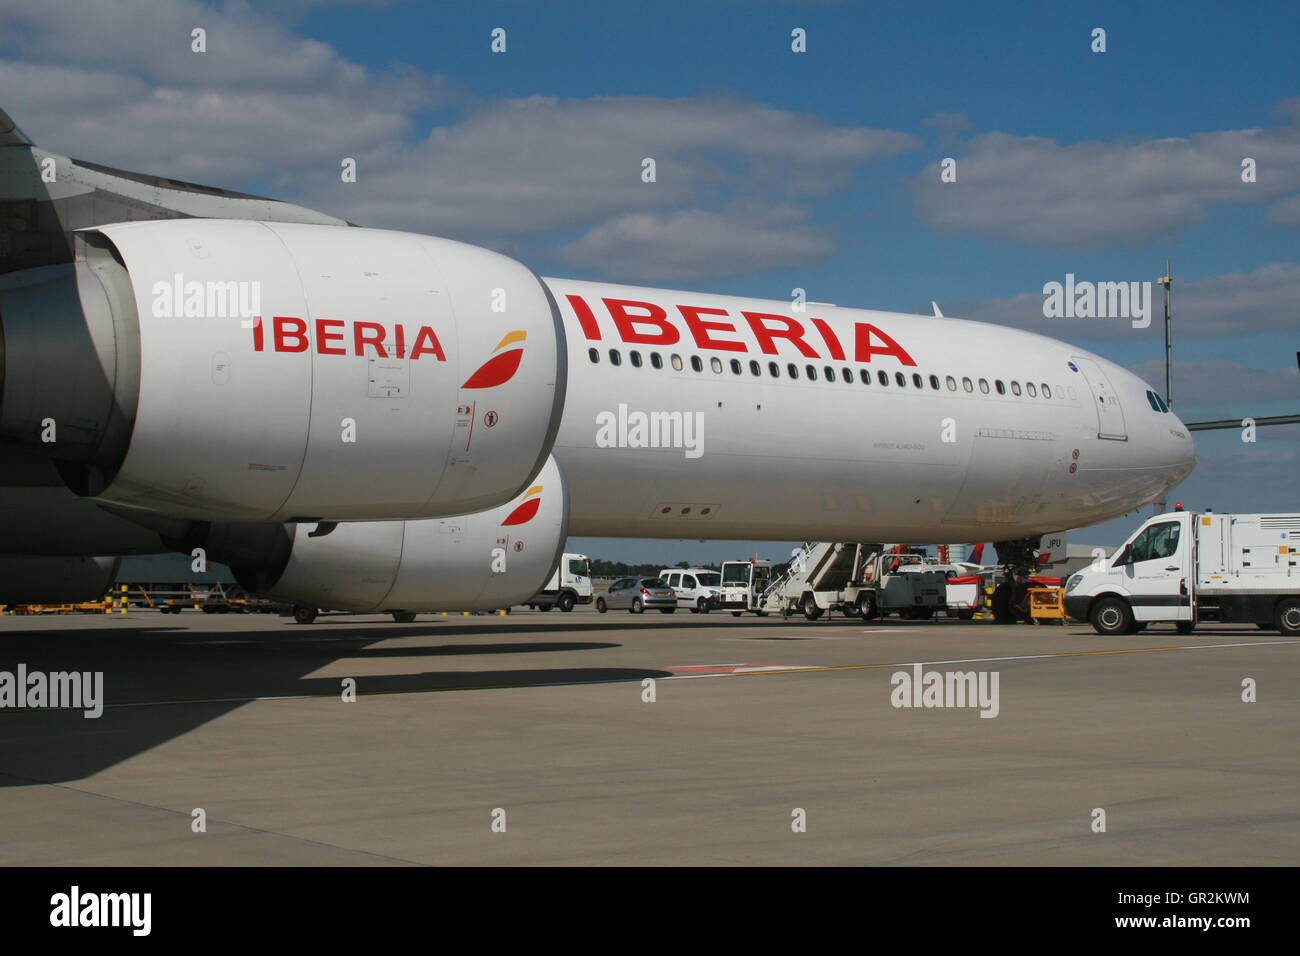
{"x": 715, "y": 363}
{"x": 614, "y": 357}
{"x": 967, "y": 384}
{"x": 774, "y": 369}
{"x": 594, "y": 355}
{"x": 865, "y": 376}
{"x": 677, "y": 363}
{"x": 635, "y": 358}
{"x": 847, "y": 375}
{"x": 984, "y": 386}
{"x": 934, "y": 382}
{"x": 882, "y": 378}
{"x": 1015, "y": 388}
{"x": 951, "y": 383}
{"x": 735, "y": 366}
{"x": 792, "y": 370}
{"x": 1047, "y": 390}
{"x": 1031, "y": 389}
{"x": 755, "y": 368}
{"x": 1002, "y": 389}
{"x": 656, "y": 360}
{"x": 696, "y": 363}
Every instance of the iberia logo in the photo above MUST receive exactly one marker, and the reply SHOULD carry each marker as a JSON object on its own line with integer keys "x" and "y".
{"x": 500, "y": 368}
{"x": 525, "y": 512}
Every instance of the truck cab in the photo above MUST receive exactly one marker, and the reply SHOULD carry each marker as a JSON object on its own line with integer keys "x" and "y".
{"x": 570, "y": 585}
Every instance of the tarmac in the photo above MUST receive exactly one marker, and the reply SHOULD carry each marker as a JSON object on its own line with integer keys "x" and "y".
{"x": 617, "y": 739}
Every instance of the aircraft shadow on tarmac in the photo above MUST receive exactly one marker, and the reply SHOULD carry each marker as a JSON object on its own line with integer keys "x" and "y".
{"x": 161, "y": 682}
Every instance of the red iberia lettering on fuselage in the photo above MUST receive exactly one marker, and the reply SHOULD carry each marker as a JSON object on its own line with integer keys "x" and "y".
{"x": 647, "y": 323}
{"x": 339, "y": 337}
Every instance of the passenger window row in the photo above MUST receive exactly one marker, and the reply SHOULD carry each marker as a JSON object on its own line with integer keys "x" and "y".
{"x": 845, "y": 374}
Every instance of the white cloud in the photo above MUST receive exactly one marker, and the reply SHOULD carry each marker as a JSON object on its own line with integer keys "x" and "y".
{"x": 1087, "y": 195}
{"x": 692, "y": 244}
{"x": 118, "y": 84}
{"x": 528, "y": 166}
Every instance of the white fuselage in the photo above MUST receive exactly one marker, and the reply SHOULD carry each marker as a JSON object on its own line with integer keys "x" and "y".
{"x": 758, "y": 453}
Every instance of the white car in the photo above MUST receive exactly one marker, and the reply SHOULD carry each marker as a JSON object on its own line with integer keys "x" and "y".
{"x": 696, "y": 588}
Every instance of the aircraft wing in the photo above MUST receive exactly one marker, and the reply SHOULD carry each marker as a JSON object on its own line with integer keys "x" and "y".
{"x": 44, "y": 197}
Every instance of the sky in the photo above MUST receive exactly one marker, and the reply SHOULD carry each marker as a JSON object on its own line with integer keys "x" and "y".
{"x": 775, "y": 169}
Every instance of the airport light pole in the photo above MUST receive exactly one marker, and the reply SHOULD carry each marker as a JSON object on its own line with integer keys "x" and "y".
{"x": 1167, "y": 281}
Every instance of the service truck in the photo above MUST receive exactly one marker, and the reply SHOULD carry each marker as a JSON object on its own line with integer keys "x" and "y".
{"x": 743, "y": 584}
{"x": 569, "y": 585}
{"x": 1186, "y": 567}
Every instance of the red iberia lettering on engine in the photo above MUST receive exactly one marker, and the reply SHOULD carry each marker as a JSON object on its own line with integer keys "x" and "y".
{"x": 700, "y": 329}
{"x": 376, "y": 338}
{"x": 792, "y": 331}
{"x": 283, "y": 332}
{"x": 585, "y": 318}
{"x": 863, "y": 349}
{"x": 426, "y": 341}
{"x": 323, "y": 336}
{"x": 626, "y": 322}
{"x": 289, "y": 334}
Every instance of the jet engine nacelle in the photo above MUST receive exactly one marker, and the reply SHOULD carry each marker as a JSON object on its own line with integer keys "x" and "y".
{"x": 251, "y": 371}
{"x": 492, "y": 559}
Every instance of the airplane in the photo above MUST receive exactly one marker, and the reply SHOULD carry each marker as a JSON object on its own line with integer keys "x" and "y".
{"x": 371, "y": 420}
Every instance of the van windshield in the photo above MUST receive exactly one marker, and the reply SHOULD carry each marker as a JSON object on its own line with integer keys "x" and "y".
{"x": 708, "y": 579}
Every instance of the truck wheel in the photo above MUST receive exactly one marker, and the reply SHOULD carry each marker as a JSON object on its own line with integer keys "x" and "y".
{"x": 637, "y": 606}
{"x": 601, "y": 606}
{"x": 810, "y": 608}
{"x": 1003, "y": 605}
{"x": 1287, "y": 617}
{"x": 1111, "y": 616}
{"x": 667, "y": 610}
{"x": 735, "y": 613}
{"x": 303, "y": 614}
{"x": 1184, "y": 627}
{"x": 702, "y": 606}
{"x": 565, "y": 602}
{"x": 965, "y": 614}
{"x": 545, "y": 607}
{"x": 403, "y": 617}
{"x": 867, "y": 607}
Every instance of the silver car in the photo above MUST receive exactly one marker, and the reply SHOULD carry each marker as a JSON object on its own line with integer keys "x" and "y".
{"x": 637, "y": 594}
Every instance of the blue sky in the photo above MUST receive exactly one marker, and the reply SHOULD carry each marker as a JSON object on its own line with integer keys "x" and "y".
{"x": 817, "y": 170}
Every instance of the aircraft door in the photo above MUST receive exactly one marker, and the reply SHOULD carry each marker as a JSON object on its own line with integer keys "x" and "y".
{"x": 1110, "y": 414}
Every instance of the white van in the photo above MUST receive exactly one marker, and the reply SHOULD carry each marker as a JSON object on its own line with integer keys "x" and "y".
{"x": 1184, "y": 568}
{"x": 696, "y": 588}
